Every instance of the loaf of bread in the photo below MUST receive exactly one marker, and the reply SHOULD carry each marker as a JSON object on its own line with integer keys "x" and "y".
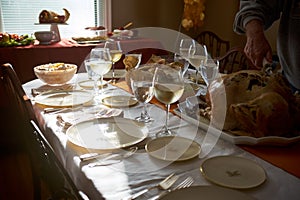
{"x": 253, "y": 103}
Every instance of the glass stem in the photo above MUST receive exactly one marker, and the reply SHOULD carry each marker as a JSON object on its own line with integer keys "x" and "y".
{"x": 144, "y": 114}
{"x": 96, "y": 88}
{"x": 101, "y": 83}
{"x": 197, "y": 72}
{"x": 113, "y": 72}
{"x": 167, "y": 117}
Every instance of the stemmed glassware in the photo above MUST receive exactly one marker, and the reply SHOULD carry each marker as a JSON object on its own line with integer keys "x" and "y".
{"x": 142, "y": 85}
{"x": 168, "y": 88}
{"x": 209, "y": 70}
{"x": 132, "y": 59}
{"x": 183, "y": 55}
{"x": 116, "y": 54}
{"x": 196, "y": 55}
{"x": 97, "y": 65}
{"x": 184, "y": 47}
{"x": 183, "y": 61}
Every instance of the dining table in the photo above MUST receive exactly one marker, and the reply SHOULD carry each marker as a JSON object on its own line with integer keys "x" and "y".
{"x": 279, "y": 178}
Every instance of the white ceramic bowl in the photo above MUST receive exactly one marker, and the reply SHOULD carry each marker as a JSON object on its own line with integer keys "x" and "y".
{"x": 55, "y": 73}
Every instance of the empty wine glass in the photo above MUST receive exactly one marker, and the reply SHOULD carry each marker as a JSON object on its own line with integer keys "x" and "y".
{"x": 184, "y": 47}
{"x": 168, "y": 88}
{"x": 132, "y": 60}
{"x": 196, "y": 55}
{"x": 116, "y": 54}
{"x": 209, "y": 70}
{"x": 183, "y": 61}
{"x": 99, "y": 64}
{"x": 142, "y": 85}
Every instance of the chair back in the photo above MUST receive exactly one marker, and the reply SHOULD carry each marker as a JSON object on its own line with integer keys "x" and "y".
{"x": 45, "y": 167}
{"x": 234, "y": 60}
{"x": 216, "y": 46}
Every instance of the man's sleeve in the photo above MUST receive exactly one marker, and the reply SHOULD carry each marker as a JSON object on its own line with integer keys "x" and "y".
{"x": 266, "y": 11}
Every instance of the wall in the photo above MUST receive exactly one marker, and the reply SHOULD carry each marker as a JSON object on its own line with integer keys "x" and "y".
{"x": 147, "y": 13}
{"x": 167, "y": 13}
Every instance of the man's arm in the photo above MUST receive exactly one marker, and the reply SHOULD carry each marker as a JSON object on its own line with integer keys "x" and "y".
{"x": 257, "y": 47}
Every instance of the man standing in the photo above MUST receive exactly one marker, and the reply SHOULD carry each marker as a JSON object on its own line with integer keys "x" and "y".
{"x": 255, "y": 16}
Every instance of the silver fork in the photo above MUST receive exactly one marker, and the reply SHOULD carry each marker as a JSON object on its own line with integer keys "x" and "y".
{"x": 184, "y": 184}
{"x": 164, "y": 184}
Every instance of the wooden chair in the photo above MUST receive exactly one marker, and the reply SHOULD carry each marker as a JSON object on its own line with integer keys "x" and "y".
{"x": 47, "y": 171}
{"x": 216, "y": 46}
{"x": 234, "y": 60}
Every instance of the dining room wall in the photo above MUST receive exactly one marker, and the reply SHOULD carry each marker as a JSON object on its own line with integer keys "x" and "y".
{"x": 145, "y": 13}
{"x": 219, "y": 17}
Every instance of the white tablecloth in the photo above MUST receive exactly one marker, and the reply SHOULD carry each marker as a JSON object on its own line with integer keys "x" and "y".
{"x": 140, "y": 170}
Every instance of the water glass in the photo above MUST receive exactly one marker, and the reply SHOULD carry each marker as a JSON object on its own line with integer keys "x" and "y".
{"x": 209, "y": 70}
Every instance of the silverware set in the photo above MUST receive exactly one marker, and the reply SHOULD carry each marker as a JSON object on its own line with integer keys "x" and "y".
{"x": 164, "y": 185}
{"x": 184, "y": 184}
{"x": 105, "y": 159}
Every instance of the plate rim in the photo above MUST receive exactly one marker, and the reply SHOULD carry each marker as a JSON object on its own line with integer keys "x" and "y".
{"x": 228, "y": 185}
{"x": 172, "y": 160}
{"x": 247, "y": 140}
{"x": 87, "y": 87}
{"x": 90, "y": 41}
{"x": 36, "y": 100}
{"x": 116, "y": 106}
{"x": 144, "y": 129}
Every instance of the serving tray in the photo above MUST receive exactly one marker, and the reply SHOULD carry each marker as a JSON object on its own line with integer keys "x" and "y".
{"x": 235, "y": 139}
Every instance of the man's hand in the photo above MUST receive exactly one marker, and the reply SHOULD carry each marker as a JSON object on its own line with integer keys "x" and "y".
{"x": 257, "y": 47}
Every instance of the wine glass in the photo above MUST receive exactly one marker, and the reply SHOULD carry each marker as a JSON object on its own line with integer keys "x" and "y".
{"x": 132, "y": 60}
{"x": 168, "y": 88}
{"x": 99, "y": 64}
{"x": 142, "y": 85}
{"x": 116, "y": 54}
{"x": 196, "y": 55}
{"x": 209, "y": 70}
{"x": 184, "y": 47}
{"x": 183, "y": 61}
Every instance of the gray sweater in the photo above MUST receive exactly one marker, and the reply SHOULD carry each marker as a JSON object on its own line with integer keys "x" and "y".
{"x": 288, "y": 40}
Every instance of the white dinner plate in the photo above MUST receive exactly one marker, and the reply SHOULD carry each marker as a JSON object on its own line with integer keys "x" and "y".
{"x": 233, "y": 172}
{"x": 237, "y": 139}
{"x": 119, "y": 101}
{"x": 89, "y": 84}
{"x": 206, "y": 193}
{"x": 173, "y": 148}
{"x": 107, "y": 133}
{"x": 63, "y": 98}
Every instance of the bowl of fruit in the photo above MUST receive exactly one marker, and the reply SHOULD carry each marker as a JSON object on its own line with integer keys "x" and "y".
{"x": 8, "y": 40}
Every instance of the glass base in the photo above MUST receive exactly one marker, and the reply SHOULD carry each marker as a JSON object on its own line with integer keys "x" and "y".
{"x": 144, "y": 119}
{"x": 164, "y": 132}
